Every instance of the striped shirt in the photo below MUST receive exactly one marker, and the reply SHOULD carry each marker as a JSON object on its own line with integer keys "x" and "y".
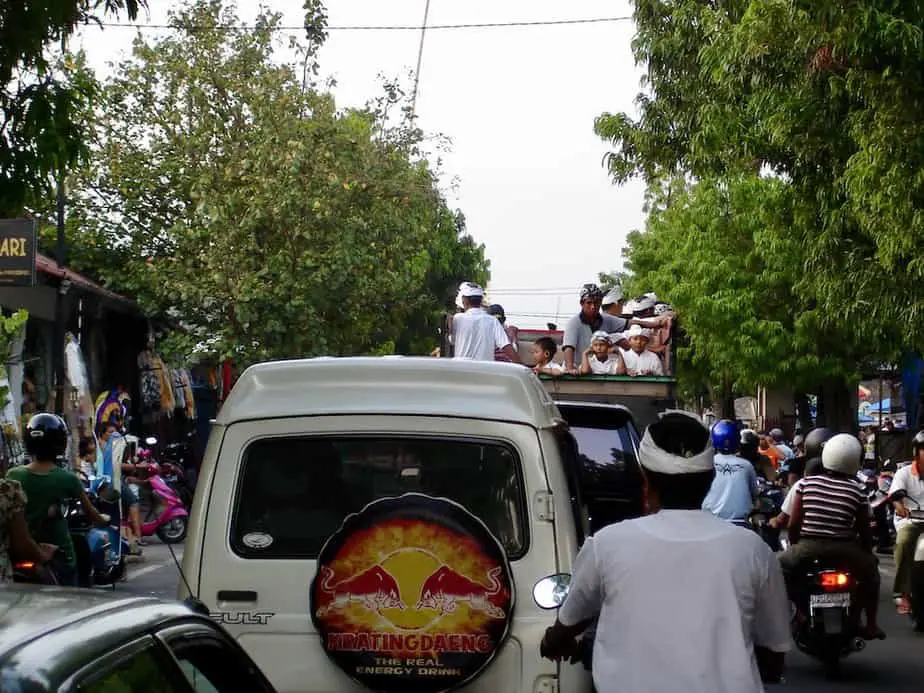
{"x": 830, "y": 507}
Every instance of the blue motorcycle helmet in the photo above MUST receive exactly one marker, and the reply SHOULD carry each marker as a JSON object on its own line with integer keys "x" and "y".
{"x": 725, "y": 437}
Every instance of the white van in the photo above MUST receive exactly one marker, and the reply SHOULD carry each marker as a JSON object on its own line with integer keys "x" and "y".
{"x": 380, "y": 524}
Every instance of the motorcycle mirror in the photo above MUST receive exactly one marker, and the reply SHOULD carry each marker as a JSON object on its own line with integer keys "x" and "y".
{"x": 897, "y": 495}
{"x": 550, "y": 591}
{"x": 150, "y": 441}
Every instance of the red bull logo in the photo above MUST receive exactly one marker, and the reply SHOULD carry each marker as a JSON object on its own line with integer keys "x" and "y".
{"x": 446, "y": 588}
{"x": 375, "y": 589}
{"x": 410, "y": 590}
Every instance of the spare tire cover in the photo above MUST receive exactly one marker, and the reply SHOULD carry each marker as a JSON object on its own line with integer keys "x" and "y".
{"x": 412, "y": 594}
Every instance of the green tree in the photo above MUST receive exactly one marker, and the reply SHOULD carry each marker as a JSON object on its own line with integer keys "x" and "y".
{"x": 45, "y": 98}
{"x": 250, "y": 208}
{"x": 821, "y": 95}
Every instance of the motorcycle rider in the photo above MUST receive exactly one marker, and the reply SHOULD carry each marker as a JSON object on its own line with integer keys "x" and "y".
{"x": 749, "y": 449}
{"x": 47, "y": 485}
{"x": 814, "y": 445}
{"x": 830, "y": 512}
{"x": 734, "y": 489}
{"x": 909, "y": 479}
{"x": 629, "y": 570}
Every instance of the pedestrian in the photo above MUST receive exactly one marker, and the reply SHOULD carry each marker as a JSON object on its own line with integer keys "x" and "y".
{"x": 684, "y": 601}
{"x": 475, "y": 332}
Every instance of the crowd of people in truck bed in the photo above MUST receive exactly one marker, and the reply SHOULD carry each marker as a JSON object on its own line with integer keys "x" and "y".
{"x": 609, "y": 336}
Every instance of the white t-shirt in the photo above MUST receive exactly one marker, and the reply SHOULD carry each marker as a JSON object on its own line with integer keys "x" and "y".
{"x": 476, "y": 334}
{"x": 552, "y": 366}
{"x": 683, "y": 597}
{"x": 598, "y": 367}
{"x": 646, "y": 363}
{"x": 906, "y": 479}
{"x": 790, "y": 499}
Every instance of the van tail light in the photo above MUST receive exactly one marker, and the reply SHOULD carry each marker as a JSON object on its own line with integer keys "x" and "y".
{"x": 832, "y": 580}
{"x": 24, "y": 565}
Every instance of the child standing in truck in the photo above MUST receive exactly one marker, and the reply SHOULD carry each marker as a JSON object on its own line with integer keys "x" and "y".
{"x": 597, "y": 358}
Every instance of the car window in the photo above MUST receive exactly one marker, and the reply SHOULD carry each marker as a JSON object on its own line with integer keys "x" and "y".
{"x": 145, "y": 670}
{"x": 607, "y": 465}
{"x": 298, "y": 490}
{"x": 211, "y": 666}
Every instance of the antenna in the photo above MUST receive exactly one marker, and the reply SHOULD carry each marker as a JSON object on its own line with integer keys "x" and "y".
{"x": 192, "y": 601}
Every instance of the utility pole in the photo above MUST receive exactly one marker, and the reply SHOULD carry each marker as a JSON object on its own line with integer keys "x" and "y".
{"x": 60, "y": 315}
{"x": 423, "y": 35}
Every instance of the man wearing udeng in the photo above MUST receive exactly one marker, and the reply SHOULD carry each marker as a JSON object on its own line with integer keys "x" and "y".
{"x": 685, "y": 601}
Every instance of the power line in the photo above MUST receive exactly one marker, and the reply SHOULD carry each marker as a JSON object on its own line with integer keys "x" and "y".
{"x": 386, "y": 27}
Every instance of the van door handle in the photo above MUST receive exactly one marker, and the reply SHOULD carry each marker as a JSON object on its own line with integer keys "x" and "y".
{"x": 237, "y": 596}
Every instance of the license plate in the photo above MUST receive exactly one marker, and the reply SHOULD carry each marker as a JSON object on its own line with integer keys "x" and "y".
{"x": 830, "y": 600}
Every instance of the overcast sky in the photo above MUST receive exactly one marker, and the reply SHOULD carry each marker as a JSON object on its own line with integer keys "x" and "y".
{"x": 519, "y": 105}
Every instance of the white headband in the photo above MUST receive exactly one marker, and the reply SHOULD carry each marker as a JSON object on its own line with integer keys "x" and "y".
{"x": 655, "y": 459}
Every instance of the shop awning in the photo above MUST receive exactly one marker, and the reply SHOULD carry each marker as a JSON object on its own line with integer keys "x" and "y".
{"x": 49, "y": 267}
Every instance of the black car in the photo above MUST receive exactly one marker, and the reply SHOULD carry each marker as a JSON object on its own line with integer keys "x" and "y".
{"x": 607, "y": 470}
{"x": 56, "y": 639}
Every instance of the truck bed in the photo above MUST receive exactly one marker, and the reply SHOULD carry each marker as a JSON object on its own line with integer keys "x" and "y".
{"x": 645, "y": 396}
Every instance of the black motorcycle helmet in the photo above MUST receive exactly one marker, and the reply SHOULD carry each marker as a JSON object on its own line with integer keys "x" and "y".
{"x": 46, "y": 437}
{"x": 497, "y": 310}
{"x": 815, "y": 441}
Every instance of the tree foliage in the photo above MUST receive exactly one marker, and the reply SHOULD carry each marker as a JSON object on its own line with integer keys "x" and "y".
{"x": 821, "y": 96}
{"x": 44, "y": 99}
{"x": 245, "y": 204}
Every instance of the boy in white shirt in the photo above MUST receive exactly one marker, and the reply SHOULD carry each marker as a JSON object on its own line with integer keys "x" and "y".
{"x": 638, "y": 360}
{"x": 544, "y": 350}
{"x": 597, "y": 358}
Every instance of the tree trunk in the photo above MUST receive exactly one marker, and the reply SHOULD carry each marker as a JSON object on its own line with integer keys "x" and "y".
{"x": 837, "y": 407}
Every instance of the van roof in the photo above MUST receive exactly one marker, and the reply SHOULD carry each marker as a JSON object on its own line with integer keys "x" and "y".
{"x": 390, "y": 385}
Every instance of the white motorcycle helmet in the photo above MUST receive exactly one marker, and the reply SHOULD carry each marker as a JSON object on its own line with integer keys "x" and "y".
{"x": 842, "y": 453}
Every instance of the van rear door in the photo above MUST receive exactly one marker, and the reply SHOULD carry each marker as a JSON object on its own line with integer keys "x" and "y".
{"x": 280, "y": 487}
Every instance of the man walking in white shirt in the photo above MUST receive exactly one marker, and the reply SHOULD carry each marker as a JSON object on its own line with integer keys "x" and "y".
{"x": 476, "y": 333}
{"x": 684, "y": 601}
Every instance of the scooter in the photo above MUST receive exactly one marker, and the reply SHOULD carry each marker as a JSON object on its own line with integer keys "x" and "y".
{"x": 826, "y": 617}
{"x": 162, "y": 510}
{"x": 768, "y": 505}
{"x": 916, "y": 516}
{"x": 106, "y": 546}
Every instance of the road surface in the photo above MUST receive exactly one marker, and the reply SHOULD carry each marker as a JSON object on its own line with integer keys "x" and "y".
{"x": 896, "y": 664}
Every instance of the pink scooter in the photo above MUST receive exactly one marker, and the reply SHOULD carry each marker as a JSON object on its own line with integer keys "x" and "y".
{"x": 165, "y": 515}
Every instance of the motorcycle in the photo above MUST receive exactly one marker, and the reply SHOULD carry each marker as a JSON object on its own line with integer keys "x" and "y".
{"x": 162, "y": 511}
{"x": 29, "y": 572}
{"x": 881, "y": 513}
{"x": 106, "y": 547}
{"x": 181, "y": 456}
{"x": 916, "y": 516}
{"x": 826, "y": 617}
{"x": 768, "y": 505}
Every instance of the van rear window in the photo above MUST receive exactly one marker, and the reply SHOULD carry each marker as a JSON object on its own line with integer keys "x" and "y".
{"x": 299, "y": 490}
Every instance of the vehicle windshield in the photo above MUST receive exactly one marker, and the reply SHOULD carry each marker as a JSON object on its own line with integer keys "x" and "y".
{"x": 607, "y": 464}
{"x": 299, "y": 490}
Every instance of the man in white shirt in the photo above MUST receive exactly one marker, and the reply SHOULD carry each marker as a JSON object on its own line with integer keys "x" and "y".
{"x": 909, "y": 479}
{"x": 476, "y": 333}
{"x": 685, "y": 601}
{"x": 638, "y": 360}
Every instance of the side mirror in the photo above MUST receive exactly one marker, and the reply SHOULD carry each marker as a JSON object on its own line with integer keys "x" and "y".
{"x": 150, "y": 441}
{"x": 897, "y": 495}
{"x": 550, "y": 592}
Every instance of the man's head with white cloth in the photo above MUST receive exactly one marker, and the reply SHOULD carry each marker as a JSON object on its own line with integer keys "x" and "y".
{"x": 677, "y": 461}
{"x": 470, "y": 296}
